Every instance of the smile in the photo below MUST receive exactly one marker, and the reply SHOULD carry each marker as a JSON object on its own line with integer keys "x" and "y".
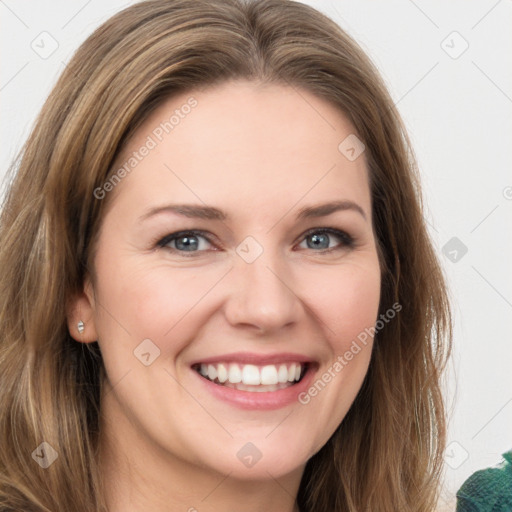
{"x": 250, "y": 377}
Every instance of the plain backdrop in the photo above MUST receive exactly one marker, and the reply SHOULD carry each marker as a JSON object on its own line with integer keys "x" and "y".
{"x": 447, "y": 66}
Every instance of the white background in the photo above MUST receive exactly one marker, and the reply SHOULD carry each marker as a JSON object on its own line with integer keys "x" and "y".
{"x": 459, "y": 115}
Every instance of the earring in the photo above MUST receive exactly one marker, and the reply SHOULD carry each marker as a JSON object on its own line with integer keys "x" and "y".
{"x": 81, "y": 327}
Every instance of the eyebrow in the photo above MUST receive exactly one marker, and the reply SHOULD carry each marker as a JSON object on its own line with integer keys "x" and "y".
{"x": 211, "y": 213}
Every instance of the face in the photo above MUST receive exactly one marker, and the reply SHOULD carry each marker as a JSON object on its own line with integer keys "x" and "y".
{"x": 246, "y": 282}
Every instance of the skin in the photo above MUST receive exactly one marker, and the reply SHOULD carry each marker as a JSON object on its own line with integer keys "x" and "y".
{"x": 260, "y": 153}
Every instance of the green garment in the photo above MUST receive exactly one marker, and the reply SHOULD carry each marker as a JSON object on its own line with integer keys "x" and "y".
{"x": 488, "y": 490}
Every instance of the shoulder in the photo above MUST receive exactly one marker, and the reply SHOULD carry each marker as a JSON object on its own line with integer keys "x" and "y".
{"x": 487, "y": 490}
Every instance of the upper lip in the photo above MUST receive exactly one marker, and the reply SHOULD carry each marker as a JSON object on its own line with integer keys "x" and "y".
{"x": 256, "y": 359}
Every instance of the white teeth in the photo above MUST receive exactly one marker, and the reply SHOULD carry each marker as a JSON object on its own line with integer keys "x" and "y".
{"x": 235, "y": 374}
{"x": 291, "y": 373}
{"x": 222, "y": 373}
{"x": 269, "y": 376}
{"x": 282, "y": 374}
{"x": 212, "y": 372}
{"x": 251, "y": 375}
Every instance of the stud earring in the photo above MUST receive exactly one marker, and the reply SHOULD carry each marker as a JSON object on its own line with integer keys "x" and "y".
{"x": 81, "y": 327}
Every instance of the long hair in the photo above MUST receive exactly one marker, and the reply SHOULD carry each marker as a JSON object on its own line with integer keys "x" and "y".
{"x": 387, "y": 453}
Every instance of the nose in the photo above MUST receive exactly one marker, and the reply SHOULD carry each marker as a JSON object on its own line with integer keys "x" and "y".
{"x": 262, "y": 296}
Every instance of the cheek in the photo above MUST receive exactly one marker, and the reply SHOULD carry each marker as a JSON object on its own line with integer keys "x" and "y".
{"x": 345, "y": 300}
{"x": 170, "y": 305}
{"x": 153, "y": 302}
{"x": 347, "y": 308}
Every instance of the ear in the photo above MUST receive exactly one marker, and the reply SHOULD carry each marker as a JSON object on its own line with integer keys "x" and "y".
{"x": 81, "y": 307}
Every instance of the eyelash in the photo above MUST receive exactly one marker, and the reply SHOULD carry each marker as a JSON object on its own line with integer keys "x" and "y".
{"x": 347, "y": 241}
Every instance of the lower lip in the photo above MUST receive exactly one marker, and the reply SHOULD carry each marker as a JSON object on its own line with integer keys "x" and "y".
{"x": 254, "y": 400}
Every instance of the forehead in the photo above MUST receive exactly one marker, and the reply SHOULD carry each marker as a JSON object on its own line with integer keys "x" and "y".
{"x": 263, "y": 146}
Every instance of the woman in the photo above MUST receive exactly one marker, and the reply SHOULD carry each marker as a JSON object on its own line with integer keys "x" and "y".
{"x": 174, "y": 334}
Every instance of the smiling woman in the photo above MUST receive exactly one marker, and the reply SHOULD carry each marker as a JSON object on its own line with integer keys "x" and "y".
{"x": 218, "y": 288}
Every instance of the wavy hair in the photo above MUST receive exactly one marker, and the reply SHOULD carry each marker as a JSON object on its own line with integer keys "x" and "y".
{"x": 386, "y": 455}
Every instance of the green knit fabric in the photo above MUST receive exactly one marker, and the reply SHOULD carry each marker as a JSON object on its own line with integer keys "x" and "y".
{"x": 488, "y": 490}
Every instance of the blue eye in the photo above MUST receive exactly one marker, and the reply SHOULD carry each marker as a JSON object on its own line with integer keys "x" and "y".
{"x": 319, "y": 237}
{"x": 184, "y": 242}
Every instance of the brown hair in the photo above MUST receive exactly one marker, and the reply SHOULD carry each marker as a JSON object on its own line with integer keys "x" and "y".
{"x": 387, "y": 453}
